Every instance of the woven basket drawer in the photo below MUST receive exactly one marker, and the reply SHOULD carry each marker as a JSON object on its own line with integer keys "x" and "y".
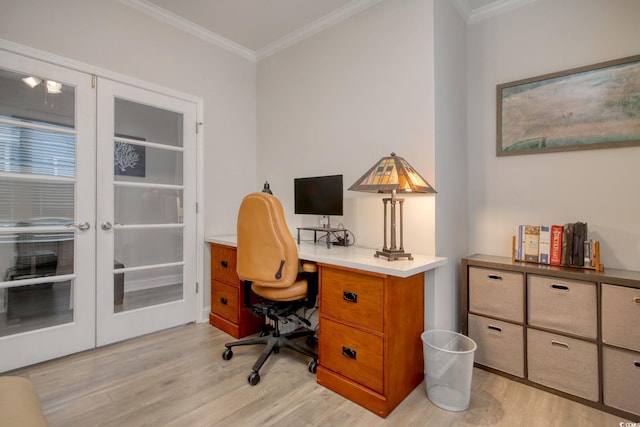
{"x": 566, "y": 364}
{"x": 564, "y": 305}
{"x": 621, "y": 376}
{"x": 496, "y": 293}
{"x": 500, "y": 344}
{"x": 621, "y": 316}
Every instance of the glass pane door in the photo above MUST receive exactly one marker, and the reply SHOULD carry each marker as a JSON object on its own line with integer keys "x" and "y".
{"x": 146, "y": 266}
{"x": 46, "y": 211}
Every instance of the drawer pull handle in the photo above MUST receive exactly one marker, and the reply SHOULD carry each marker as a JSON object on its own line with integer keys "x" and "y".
{"x": 494, "y": 277}
{"x": 349, "y": 352}
{"x": 636, "y": 364}
{"x": 224, "y": 301}
{"x": 562, "y": 288}
{"x": 495, "y": 328}
{"x": 350, "y": 296}
{"x": 560, "y": 344}
{"x": 637, "y": 300}
{"x": 224, "y": 264}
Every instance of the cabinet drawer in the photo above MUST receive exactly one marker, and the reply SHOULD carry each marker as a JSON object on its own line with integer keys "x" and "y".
{"x": 566, "y": 364}
{"x": 496, "y": 293}
{"x": 352, "y": 297}
{"x": 621, "y": 376}
{"x": 621, "y": 316}
{"x": 224, "y": 301}
{"x": 223, "y": 265}
{"x": 564, "y": 305}
{"x": 500, "y": 344}
{"x": 351, "y": 353}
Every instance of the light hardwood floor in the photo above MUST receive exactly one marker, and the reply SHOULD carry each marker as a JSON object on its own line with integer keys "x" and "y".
{"x": 178, "y": 378}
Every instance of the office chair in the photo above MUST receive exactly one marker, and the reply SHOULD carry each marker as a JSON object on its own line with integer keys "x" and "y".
{"x": 269, "y": 266}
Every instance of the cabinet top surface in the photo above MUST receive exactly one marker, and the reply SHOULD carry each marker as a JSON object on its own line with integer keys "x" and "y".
{"x": 609, "y": 275}
{"x": 354, "y": 257}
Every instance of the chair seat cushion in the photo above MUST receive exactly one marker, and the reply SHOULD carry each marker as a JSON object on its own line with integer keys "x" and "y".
{"x": 297, "y": 291}
{"x": 19, "y": 403}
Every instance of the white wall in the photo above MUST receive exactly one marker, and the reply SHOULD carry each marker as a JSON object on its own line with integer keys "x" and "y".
{"x": 596, "y": 186}
{"x": 451, "y": 162}
{"x": 339, "y": 101}
{"x": 114, "y": 37}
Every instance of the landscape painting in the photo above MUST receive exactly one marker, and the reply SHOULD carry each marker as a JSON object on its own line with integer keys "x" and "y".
{"x": 597, "y": 106}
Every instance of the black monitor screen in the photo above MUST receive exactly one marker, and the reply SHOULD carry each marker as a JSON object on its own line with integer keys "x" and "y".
{"x": 321, "y": 195}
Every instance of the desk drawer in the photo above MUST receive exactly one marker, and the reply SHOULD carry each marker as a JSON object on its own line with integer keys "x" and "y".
{"x": 621, "y": 316}
{"x": 500, "y": 344}
{"x": 352, "y": 297}
{"x": 496, "y": 293}
{"x": 621, "y": 376}
{"x": 564, "y": 305}
{"x": 351, "y": 353}
{"x": 223, "y": 265}
{"x": 563, "y": 363}
{"x": 224, "y": 301}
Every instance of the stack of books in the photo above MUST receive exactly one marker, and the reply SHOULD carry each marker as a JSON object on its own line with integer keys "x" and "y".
{"x": 566, "y": 244}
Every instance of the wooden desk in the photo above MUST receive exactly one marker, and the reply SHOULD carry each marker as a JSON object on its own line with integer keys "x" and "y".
{"x": 371, "y": 318}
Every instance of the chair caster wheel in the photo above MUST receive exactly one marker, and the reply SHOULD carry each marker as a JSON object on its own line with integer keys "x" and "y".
{"x": 313, "y": 366}
{"x": 227, "y": 354}
{"x": 254, "y": 378}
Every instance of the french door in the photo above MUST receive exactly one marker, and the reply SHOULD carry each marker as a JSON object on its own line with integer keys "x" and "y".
{"x": 146, "y": 212}
{"x": 97, "y": 211}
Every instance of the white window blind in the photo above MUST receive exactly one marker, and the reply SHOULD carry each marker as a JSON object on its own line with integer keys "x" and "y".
{"x": 31, "y": 155}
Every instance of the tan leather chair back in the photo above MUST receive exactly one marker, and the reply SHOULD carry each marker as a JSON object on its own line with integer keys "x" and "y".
{"x": 267, "y": 253}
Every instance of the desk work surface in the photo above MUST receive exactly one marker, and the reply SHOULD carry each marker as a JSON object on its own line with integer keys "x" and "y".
{"x": 353, "y": 257}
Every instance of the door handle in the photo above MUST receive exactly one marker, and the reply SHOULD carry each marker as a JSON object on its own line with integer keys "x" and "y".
{"x": 82, "y": 227}
{"x": 106, "y": 226}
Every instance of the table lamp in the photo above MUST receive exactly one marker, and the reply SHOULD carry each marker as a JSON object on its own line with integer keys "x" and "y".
{"x": 393, "y": 175}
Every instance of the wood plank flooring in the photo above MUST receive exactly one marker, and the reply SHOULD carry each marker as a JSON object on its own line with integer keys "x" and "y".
{"x": 178, "y": 378}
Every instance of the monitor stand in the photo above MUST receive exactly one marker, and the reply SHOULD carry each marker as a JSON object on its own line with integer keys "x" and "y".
{"x": 326, "y": 230}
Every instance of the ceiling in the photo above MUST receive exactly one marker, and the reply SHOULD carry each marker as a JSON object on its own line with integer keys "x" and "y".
{"x": 259, "y": 28}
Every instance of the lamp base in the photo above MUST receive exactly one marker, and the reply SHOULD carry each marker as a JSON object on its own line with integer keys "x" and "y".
{"x": 393, "y": 255}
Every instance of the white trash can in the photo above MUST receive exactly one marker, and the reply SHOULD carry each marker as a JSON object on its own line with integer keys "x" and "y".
{"x": 448, "y": 364}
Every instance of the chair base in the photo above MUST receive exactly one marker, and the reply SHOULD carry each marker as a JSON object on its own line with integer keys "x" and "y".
{"x": 273, "y": 343}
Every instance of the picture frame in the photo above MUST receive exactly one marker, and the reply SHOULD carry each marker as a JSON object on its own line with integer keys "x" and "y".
{"x": 590, "y": 107}
{"x": 129, "y": 159}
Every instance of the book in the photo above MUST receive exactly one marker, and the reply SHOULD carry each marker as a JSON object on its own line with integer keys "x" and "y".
{"x": 544, "y": 244}
{"x": 579, "y": 237}
{"x": 588, "y": 258}
{"x": 567, "y": 244}
{"x": 519, "y": 231}
{"x": 532, "y": 243}
{"x": 555, "y": 251}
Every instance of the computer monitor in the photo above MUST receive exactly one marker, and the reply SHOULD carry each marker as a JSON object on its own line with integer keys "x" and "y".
{"x": 320, "y": 195}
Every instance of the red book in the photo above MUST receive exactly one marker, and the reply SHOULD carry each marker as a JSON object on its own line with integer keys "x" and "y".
{"x": 555, "y": 255}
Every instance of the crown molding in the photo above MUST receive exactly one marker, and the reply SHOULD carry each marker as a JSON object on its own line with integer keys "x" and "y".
{"x": 346, "y": 11}
{"x": 189, "y": 27}
{"x": 320, "y": 24}
{"x": 493, "y": 9}
{"x": 462, "y": 6}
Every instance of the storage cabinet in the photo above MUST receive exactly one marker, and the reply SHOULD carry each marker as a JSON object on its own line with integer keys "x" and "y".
{"x": 369, "y": 345}
{"x": 569, "y": 331}
{"x": 227, "y": 295}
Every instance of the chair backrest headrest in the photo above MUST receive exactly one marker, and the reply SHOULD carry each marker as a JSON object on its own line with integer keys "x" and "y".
{"x": 267, "y": 253}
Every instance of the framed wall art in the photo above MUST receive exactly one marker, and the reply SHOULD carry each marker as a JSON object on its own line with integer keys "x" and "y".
{"x": 129, "y": 159}
{"x": 596, "y": 106}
